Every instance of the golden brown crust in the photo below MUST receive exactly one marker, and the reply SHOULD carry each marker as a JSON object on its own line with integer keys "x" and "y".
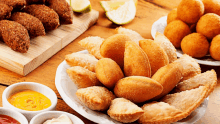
{"x": 212, "y": 6}
{"x": 82, "y": 77}
{"x": 87, "y": 61}
{"x": 108, "y": 72}
{"x": 16, "y": 4}
{"x": 95, "y": 97}
{"x": 136, "y": 62}
{"x": 155, "y": 53}
{"x": 137, "y": 88}
{"x": 124, "y": 110}
{"x": 172, "y": 15}
{"x": 214, "y": 49}
{"x": 5, "y": 11}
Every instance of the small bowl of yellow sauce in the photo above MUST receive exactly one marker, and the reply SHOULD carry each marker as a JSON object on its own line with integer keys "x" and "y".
{"x": 29, "y": 98}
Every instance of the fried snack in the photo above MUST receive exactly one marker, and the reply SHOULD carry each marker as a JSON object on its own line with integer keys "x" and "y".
{"x": 175, "y": 31}
{"x": 214, "y": 49}
{"x": 113, "y": 47}
{"x": 124, "y": 110}
{"x": 16, "y": 4}
{"x": 209, "y": 25}
{"x": 136, "y": 62}
{"x": 46, "y": 15}
{"x": 172, "y": 15}
{"x": 134, "y": 36}
{"x": 155, "y": 53}
{"x": 137, "y": 88}
{"x": 190, "y": 11}
{"x": 168, "y": 76}
{"x": 190, "y": 66}
{"x": 160, "y": 113}
{"x": 29, "y": 2}
{"x": 82, "y": 77}
{"x": 208, "y": 78}
{"x": 80, "y": 59}
{"x": 95, "y": 97}
{"x": 32, "y": 24}
{"x": 212, "y": 6}
{"x": 195, "y": 45}
{"x": 14, "y": 35}
{"x": 5, "y": 11}
{"x": 108, "y": 72}
{"x": 168, "y": 47}
{"x": 92, "y": 44}
{"x": 63, "y": 9}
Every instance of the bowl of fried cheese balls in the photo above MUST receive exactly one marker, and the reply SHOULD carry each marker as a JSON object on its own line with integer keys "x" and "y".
{"x": 194, "y": 29}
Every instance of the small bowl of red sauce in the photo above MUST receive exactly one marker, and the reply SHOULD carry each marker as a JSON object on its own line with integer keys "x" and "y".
{"x": 10, "y": 116}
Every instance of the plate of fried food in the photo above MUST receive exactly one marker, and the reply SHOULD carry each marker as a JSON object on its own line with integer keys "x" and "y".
{"x": 117, "y": 80}
{"x": 195, "y": 32}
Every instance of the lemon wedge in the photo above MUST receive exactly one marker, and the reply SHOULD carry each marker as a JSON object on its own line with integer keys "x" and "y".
{"x": 114, "y": 4}
{"x": 124, "y": 14}
{"x": 82, "y": 6}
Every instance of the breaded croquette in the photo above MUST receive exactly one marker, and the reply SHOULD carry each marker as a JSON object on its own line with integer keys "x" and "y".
{"x": 46, "y": 15}
{"x": 32, "y": 24}
{"x": 5, "y": 11}
{"x": 63, "y": 9}
{"x": 29, "y": 2}
{"x": 16, "y": 4}
{"x": 14, "y": 35}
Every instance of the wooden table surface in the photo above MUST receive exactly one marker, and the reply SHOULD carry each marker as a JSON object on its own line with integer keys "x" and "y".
{"x": 148, "y": 11}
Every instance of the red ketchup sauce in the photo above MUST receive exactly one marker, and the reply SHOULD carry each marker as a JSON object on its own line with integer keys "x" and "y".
{"x": 4, "y": 119}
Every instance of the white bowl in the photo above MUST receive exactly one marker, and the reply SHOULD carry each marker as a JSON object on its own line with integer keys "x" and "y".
{"x": 14, "y": 114}
{"x": 42, "y": 117}
{"x": 49, "y": 93}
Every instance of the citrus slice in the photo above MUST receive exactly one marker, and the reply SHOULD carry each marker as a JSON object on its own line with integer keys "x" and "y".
{"x": 114, "y": 4}
{"x": 124, "y": 14}
{"x": 82, "y": 6}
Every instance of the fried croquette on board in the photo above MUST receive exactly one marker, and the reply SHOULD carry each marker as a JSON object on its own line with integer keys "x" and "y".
{"x": 32, "y": 24}
{"x": 175, "y": 31}
{"x": 63, "y": 9}
{"x": 14, "y": 35}
{"x": 46, "y": 15}
{"x": 172, "y": 15}
{"x": 214, "y": 49}
{"x": 209, "y": 25}
{"x": 16, "y": 4}
{"x": 5, "y": 11}
{"x": 189, "y": 11}
{"x": 195, "y": 45}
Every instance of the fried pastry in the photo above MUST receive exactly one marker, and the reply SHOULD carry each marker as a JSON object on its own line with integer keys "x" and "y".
{"x": 168, "y": 76}
{"x": 190, "y": 66}
{"x": 95, "y": 97}
{"x": 160, "y": 113}
{"x": 5, "y": 11}
{"x": 113, "y": 47}
{"x": 108, "y": 72}
{"x": 155, "y": 53}
{"x": 80, "y": 59}
{"x": 168, "y": 47}
{"x": 172, "y": 15}
{"x": 124, "y": 110}
{"x": 208, "y": 78}
{"x": 214, "y": 49}
{"x": 137, "y": 88}
{"x": 92, "y": 44}
{"x": 136, "y": 62}
{"x": 82, "y": 77}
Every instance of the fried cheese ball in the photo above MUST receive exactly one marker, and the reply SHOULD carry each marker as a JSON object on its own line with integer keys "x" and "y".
{"x": 32, "y": 24}
{"x": 63, "y": 9}
{"x": 14, "y": 35}
{"x": 172, "y": 16}
{"x": 212, "y": 6}
{"x": 176, "y": 31}
{"x": 209, "y": 25}
{"x": 195, "y": 45}
{"x": 215, "y": 48}
{"x": 46, "y": 15}
{"x": 5, "y": 11}
{"x": 16, "y": 4}
{"x": 190, "y": 11}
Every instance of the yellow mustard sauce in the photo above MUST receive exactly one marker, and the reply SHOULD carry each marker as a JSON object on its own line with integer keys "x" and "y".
{"x": 29, "y": 100}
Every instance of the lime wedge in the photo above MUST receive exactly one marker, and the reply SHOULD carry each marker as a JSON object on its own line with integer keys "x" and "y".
{"x": 114, "y": 4}
{"x": 124, "y": 14}
{"x": 82, "y": 6}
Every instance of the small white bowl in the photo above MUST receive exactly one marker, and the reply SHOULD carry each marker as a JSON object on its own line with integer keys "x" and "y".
{"x": 49, "y": 93}
{"x": 44, "y": 116}
{"x": 14, "y": 114}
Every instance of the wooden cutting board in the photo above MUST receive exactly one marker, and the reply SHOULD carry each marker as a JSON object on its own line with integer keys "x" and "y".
{"x": 43, "y": 47}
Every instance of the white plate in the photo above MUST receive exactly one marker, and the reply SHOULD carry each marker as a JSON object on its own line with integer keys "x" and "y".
{"x": 159, "y": 26}
{"x": 67, "y": 90}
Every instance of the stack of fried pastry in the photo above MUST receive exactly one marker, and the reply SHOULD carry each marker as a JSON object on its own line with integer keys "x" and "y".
{"x": 138, "y": 81}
